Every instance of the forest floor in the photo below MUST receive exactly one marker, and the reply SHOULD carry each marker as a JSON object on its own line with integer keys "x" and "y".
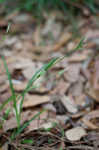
{"x": 68, "y": 92}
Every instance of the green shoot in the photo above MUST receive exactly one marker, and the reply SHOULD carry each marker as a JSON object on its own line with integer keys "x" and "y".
{"x": 6, "y": 102}
{"x": 62, "y": 72}
{"x": 12, "y": 91}
{"x": 6, "y": 114}
{"x": 19, "y": 130}
{"x": 30, "y": 86}
{"x": 27, "y": 141}
{"x": 37, "y": 75}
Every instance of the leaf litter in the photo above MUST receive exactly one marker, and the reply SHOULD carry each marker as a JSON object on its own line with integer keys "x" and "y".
{"x": 70, "y": 100}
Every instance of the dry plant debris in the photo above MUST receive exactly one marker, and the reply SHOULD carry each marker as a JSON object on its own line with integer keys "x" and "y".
{"x": 70, "y": 99}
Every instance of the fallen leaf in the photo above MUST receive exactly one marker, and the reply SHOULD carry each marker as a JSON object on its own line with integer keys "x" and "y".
{"x": 34, "y": 100}
{"x": 95, "y": 75}
{"x": 73, "y": 72}
{"x": 11, "y": 123}
{"x": 47, "y": 125}
{"x": 78, "y": 57}
{"x": 76, "y": 89}
{"x": 21, "y": 63}
{"x": 31, "y": 69}
{"x": 93, "y": 90}
{"x": 61, "y": 87}
{"x": 93, "y": 93}
{"x": 49, "y": 107}
{"x": 3, "y": 87}
{"x": 18, "y": 85}
{"x": 69, "y": 104}
{"x": 87, "y": 119}
{"x": 37, "y": 123}
{"x": 81, "y": 100}
{"x": 63, "y": 40}
{"x": 37, "y": 36}
{"x": 62, "y": 118}
{"x": 75, "y": 134}
{"x": 50, "y": 25}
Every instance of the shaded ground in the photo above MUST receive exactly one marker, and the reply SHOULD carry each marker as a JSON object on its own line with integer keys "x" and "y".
{"x": 71, "y": 98}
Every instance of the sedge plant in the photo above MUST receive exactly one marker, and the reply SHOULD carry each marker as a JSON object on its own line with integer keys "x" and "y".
{"x": 14, "y": 98}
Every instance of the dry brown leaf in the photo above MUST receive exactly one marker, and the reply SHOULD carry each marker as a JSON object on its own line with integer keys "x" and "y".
{"x": 29, "y": 71}
{"x": 11, "y": 123}
{"x": 91, "y": 116}
{"x": 73, "y": 72}
{"x": 49, "y": 107}
{"x": 61, "y": 88}
{"x": 80, "y": 100}
{"x": 75, "y": 134}
{"x": 78, "y": 57}
{"x": 21, "y": 62}
{"x": 19, "y": 86}
{"x": 93, "y": 93}
{"x": 47, "y": 125}
{"x": 69, "y": 104}
{"x": 91, "y": 34}
{"x": 51, "y": 25}
{"x": 34, "y": 100}
{"x": 95, "y": 76}
{"x": 76, "y": 89}
{"x": 36, "y": 124}
{"x": 37, "y": 36}
{"x": 4, "y": 96}
{"x": 63, "y": 40}
{"x": 62, "y": 119}
{"x": 94, "y": 80}
{"x": 55, "y": 47}
{"x": 93, "y": 90}
{"x": 3, "y": 87}
{"x": 44, "y": 120}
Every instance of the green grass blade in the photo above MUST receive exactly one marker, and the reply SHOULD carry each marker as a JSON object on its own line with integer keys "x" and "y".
{"x": 77, "y": 48}
{"x": 26, "y": 124}
{"x": 37, "y": 75}
{"x": 12, "y": 91}
{"x": 6, "y": 102}
{"x": 61, "y": 72}
{"x": 9, "y": 78}
{"x": 27, "y": 141}
{"x": 45, "y": 68}
{"x": 40, "y": 72}
{"x": 80, "y": 44}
